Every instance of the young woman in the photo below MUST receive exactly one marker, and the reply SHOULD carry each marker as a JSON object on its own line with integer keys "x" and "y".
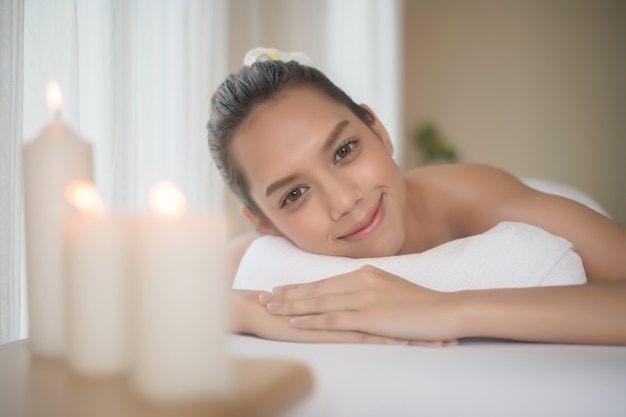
{"x": 311, "y": 165}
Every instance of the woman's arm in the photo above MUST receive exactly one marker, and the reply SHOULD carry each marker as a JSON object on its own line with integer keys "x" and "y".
{"x": 589, "y": 314}
{"x": 373, "y": 301}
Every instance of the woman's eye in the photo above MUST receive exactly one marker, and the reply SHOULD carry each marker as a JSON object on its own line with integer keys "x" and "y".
{"x": 344, "y": 150}
{"x": 293, "y": 195}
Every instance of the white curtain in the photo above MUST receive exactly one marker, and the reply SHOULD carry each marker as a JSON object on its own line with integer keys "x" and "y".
{"x": 362, "y": 56}
{"x": 137, "y": 76}
{"x": 11, "y": 33}
{"x": 357, "y": 43}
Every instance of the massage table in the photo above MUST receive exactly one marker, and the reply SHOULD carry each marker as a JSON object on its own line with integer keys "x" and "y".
{"x": 485, "y": 378}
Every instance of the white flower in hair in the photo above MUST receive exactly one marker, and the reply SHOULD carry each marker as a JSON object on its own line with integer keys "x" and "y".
{"x": 272, "y": 54}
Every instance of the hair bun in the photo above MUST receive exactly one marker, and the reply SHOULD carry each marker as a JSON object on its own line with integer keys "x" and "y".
{"x": 271, "y": 54}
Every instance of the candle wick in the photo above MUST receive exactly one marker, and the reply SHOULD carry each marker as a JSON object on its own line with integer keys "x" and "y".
{"x": 57, "y": 115}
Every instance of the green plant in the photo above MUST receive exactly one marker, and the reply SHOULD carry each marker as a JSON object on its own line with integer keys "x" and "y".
{"x": 433, "y": 147}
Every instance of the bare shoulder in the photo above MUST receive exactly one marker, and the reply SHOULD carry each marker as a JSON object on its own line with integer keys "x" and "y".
{"x": 458, "y": 177}
{"x": 470, "y": 195}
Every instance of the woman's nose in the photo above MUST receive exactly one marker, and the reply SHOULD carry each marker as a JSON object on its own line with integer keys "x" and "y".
{"x": 342, "y": 197}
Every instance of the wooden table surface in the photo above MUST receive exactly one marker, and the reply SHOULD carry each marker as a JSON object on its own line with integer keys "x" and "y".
{"x": 37, "y": 387}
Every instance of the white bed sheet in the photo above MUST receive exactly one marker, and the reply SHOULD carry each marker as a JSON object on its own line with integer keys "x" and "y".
{"x": 477, "y": 378}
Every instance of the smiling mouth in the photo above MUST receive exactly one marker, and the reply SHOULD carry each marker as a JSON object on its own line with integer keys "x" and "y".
{"x": 365, "y": 228}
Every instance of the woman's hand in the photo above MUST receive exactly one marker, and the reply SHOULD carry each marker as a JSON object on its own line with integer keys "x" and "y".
{"x": 366, "y": 301}
{"x": 251, "y": 317}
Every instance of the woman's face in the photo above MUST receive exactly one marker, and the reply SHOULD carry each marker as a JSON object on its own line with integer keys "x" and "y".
{"x": 322, "y": 178}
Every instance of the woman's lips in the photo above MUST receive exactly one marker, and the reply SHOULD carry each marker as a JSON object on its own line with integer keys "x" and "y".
{"x": 365, "y": 228}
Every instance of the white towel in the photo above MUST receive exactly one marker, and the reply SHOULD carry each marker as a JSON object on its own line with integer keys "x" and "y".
{"x": 509, "y": 255}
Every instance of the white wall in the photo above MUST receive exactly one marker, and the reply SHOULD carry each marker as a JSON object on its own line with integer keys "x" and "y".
{"x": 537, "y": 87}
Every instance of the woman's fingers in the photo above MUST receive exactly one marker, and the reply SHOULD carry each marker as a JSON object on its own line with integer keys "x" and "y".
{"x": 322, "y": 304}
{"x": 340, "y": 320}
{"x": 356, "y": 280}
{"x": 336, "y": 284}
{"x": 330, "y": 336}
{"x": 346, "y": 323}
{"x": 279, "y": 328}
{"x": 435, "y": 343}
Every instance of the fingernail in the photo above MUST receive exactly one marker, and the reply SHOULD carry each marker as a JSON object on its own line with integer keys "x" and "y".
{"x": 265, "y": 297}
{"x": 296, "y": 321}
{"x": 273, "y": 306}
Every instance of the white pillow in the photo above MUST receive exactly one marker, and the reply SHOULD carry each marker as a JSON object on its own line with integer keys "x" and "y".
{"x": 509, "y": 255}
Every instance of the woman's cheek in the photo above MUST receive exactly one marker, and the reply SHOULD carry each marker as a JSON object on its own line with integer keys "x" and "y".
{"x": 308, "y": 228}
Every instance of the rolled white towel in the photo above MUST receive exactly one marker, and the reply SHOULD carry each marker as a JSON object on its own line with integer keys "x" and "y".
{"x": 509, "y": 255}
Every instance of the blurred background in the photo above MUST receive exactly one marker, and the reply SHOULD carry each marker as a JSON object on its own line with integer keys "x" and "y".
{"x": 537, "y": 87}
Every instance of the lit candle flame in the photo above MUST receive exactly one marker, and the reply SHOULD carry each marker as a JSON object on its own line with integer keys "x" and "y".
{"x": 54, "y": 97}
{"x": 167, "y": 201}
{"x": 84, "y": 196}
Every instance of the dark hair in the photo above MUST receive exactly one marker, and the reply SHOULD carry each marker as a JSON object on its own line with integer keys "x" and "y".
{"x": 242, "y": 92}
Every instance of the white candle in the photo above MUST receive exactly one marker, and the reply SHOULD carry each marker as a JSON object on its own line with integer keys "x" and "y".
{"x": 180, "y": 301}
{"x": 53, "y": 159}
{"x": 97, "y": 253}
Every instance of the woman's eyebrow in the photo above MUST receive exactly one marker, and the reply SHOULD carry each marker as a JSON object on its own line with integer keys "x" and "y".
{"x": 277, "y": 184}
{"x": 333, "y": 136}
{"x": 328, "y": 144}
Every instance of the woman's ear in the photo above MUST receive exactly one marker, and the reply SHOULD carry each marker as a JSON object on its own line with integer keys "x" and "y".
{"x": 380, "y": 130}
{"x": 260, "y": 222}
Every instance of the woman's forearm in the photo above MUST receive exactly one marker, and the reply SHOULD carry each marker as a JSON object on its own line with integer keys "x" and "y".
{"x": 373, "y": 301}
{"x": 244, "y": 310}
{"x": 594, "y": 313}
